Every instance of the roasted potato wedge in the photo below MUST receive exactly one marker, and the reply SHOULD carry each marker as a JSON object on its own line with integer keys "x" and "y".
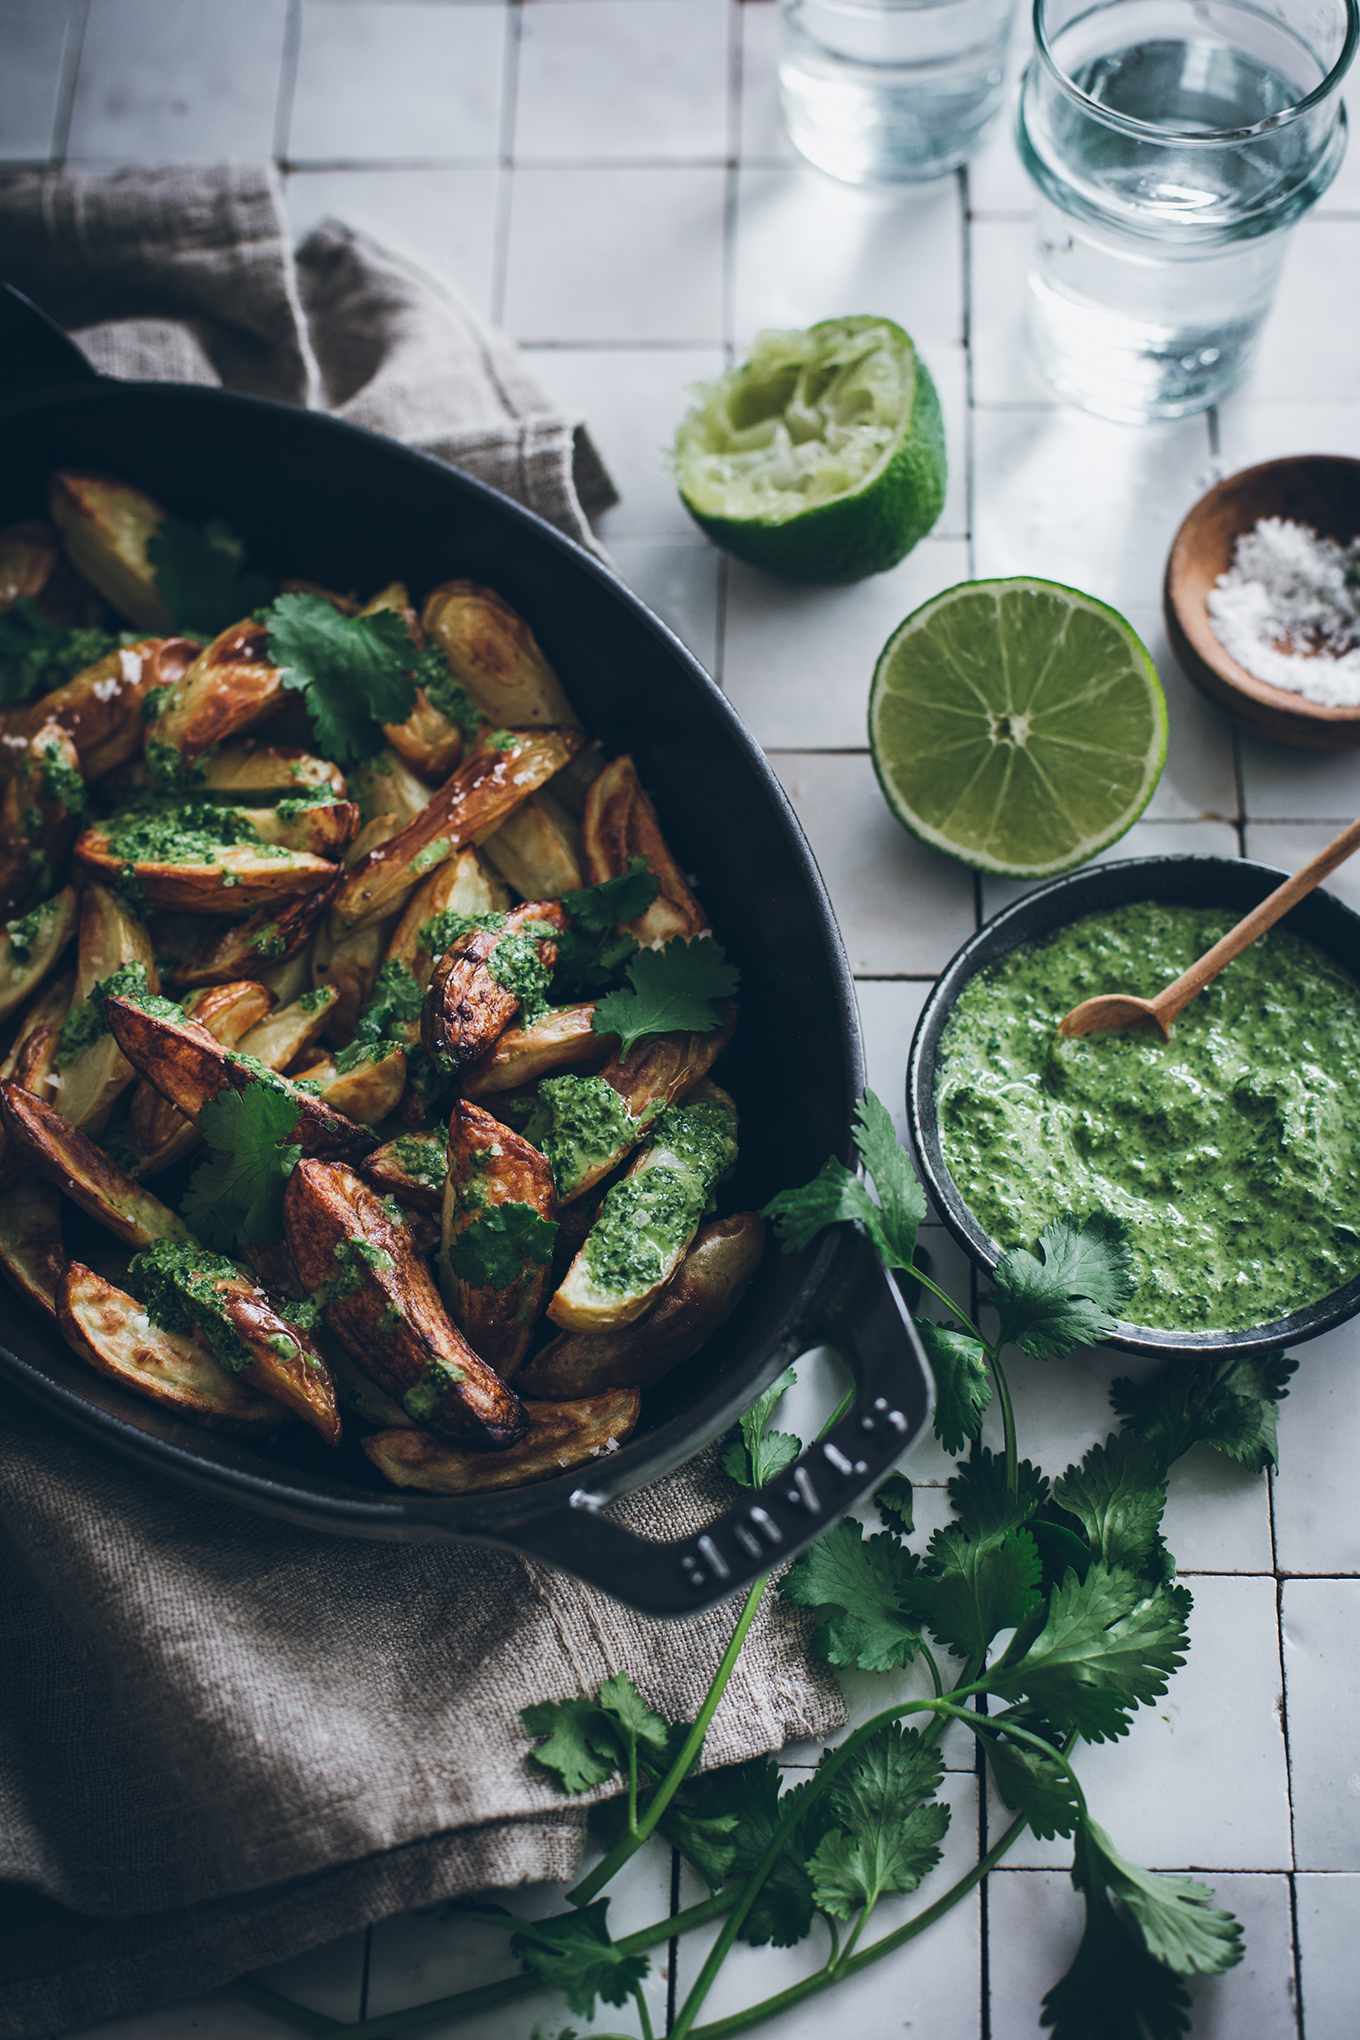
{"x": 494, "y": 656}
{"x": 387, "y": 785}
{"x": 289, "y": 1030}
{"x": 360, "y": 1396}
{"x": 563, "y": 1039}
{"x": 647, "y": 1222}
{"x": 413, "y": 1169}
{"x": 40, "y": 812}
{"x": 84, "y": 1173}
{"x": 494, "y": 1178}
{"x": 560, "y": 1435}
{"x": 93, "y": 1072}
{"x": 367, "y": 1093}
{"x": 264, "y": 940}
{"x": 702, "y": 1294}
{"x": 427, "y": 741}
{"x": 42, "y": 1021}
{"x": 31, "y": 1251}
{"x": 467, "y": 1007}
{"x": 242, "y": 879}
{"x": 323, "y": 831}
{"x": 37, "y": 1061}
{"x": 620, "y": 822}
{"x": 28, "y": 554}
{"x": 473, "y": 802}
{"x": 379, "y": 1301}
{"x": 105, "y": 525}
{"x": 101, "y": 709}
{"x": 250, "y": 770}
{"x": 29, "y": 947}
{"x": 230, "y": 688}
{"x": 462, "y": 885}
{"x": 189, "y": 1068}
{"x": 538, "y": 851}
{"x": 163, "y": 1134}
{"x": 111, "y": 1330}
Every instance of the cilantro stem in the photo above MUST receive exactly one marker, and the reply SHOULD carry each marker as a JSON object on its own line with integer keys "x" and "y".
{"x": 917, "y": 1275}
{"x": 928, "y": 1654}
{"x": 675, "y": 1777}
{"x": 644, "y": 2015}
{"x": 1003, "y": 1396}
{"x": 632, "y": 1788}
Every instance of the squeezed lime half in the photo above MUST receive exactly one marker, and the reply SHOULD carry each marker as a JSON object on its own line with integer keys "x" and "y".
{"x": 822, "y": 457}
{"x": 1018, "y": 725}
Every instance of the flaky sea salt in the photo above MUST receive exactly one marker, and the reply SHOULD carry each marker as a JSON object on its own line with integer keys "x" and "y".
{"x": 1288, "y": 609}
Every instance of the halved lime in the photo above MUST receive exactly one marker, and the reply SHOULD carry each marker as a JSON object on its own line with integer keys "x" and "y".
{"x": 1019, "y": 725}
{"x": 822, "y": 457}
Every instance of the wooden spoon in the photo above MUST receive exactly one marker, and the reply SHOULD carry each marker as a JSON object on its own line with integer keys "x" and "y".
{"x": 1113, "y": 1010}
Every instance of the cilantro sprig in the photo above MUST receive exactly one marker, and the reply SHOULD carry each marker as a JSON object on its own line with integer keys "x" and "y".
{"x": 37, "y": 656}
{"x": 674, "y": 990}
{"x": 356, "y": 672}
{"x": 236, "y": 1198}
{"x": 201, "y": 576}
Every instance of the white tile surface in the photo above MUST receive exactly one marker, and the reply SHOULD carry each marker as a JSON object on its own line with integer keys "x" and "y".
{"x": 33, "y": 34}
{"x": 399, "y": 79}
{"x": 1198, "y": 781}
{"x": 1329, "y": 1925}
{"x": 445, "y": 218}
{"x": 798, "y": 661}
{"x": 616, "y": 255}
{"x": 210, "y": 94}
{"x": 328, "y": 1979}
{"x": 1285, "y": 785}
{"x": 903, "y": 909}
{"x": 1316, "y": 1530}
{"x": 1287, "y": 845}
{"x": 600, "y": 79}
{"x": 762, "y": 136}
{"x": 1320, "y": 1622}
{"x": 678, "y": 578}
{"x": 1144, "y": 839}
{"x": 1307, "y": 338}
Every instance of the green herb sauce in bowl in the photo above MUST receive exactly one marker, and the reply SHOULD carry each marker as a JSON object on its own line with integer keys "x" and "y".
{"x": 1231, "y": 1152}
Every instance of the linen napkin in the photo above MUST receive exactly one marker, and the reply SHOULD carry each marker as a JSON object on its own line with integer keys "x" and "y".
{"x": 224, "y": 1740}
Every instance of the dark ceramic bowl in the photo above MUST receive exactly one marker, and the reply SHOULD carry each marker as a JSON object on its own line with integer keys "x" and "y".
{"x": 1229, "y": 882}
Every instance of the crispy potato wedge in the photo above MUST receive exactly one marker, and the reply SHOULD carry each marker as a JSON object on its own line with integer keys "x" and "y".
{"x": 413, "y": 1169}
{"x": 325, "y": 831}
{"x": 276, "y": 1271}
{"x": 163, "y": 1134}
{"x": 243, "y": 879}
{"x": 289, "y": 1030}
{"x": 189, "y": 1068}
{"x": 101, "y": 708}
{"x": 573, "y": 783}
{"x": 563, "y": 1039}
{"x": 464, "y": 885}
{"x": 264, "y": 940}
{"x": 620, "y": 822}
{"x": 31, "y": 1251}
{"x": 490, "y": 1167}
{"x": 230, "y": 688}
{"x": 249, "y": 770}
{"x": 467, "y": 1007}
{"x": 493, "y": 654}
{"x": 30, "y": 947}
{"x": 92, "y": 1077}
{"x": 40, "y": 812}
{"x": 111, "y": 1330}
{"x": 702, "y": 1294}
{"x": 37, "y": 1060}
{"x": 387, "y": 785}
{"x": 560, "y": 1435}
{"x": 380, "y": 1303}
{"x": 645, "y": 1212}
{"x": 44, "y": 1019}
{"x": 28, "y": 554}
{"x": 367, "y": 1093}
{"x": 105, "y": 525}
{"x": 538, "y": 851}
{"x": 361, "y": 1397}
{"x": 84, "y": 1173}
{"x": 427, "y": 741}
{"x": 472, "y": 803}
{"x": 348, "y": 968}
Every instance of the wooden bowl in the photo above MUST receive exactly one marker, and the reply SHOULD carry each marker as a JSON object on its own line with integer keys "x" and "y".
{"x": 1320, "y": 489}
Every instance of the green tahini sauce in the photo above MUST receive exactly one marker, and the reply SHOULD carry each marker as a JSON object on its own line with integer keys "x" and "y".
{"x": 1232, "y": 1152}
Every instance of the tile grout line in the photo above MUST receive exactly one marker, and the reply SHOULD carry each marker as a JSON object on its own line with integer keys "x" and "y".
{"x": 505, "y": 165}
{"x": 673, "y": 1947}
{"x": 72, "y": 50}
{"x": 1295, "y": 1947}
{"x": 287, "y": 87}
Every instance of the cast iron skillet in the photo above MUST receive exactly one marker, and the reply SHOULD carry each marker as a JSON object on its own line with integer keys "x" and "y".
{"x": 1229, "y": 882}
{"x": 332, "y": 503}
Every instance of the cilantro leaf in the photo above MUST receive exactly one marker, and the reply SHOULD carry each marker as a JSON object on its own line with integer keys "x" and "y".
{"x": 675, "y": 990}
{"x": 580, "y": 1746}
{"x": 865, "y": 1579}
{"x": 783, "y": 1913}
{"x": 639, "y": 1727}
{"x": 598, "y": 909}
{"x": 902, "y": 1201}
{"x": 37, "y": 656}
{"x": 1066, "y": 1295}
{"x": 504, "y": 1240}
{"x": 752, "y": 1456}
{"x": 893, "y": 1502}
{"x": 1029, "y": 1782}
{"x": 201, "y": 576}
{"x": 886, "y": 1840}
{"x": 573, "y": 1953}
{"x": 1231, "y": 1404}
{"x": 1104, "y": 1645}
{"x": 394, "y": 1002}
{"x": 963, "y": 1382}
{"x": 357, "y": 671}
{"x": 835, "y": 1193}
{"x": 238, "y": 1194}
{"x": 972, "y": 1589}
{"x": 1173, "y": 1915}
{"x": 1117, "y": 1495}
{"x": 982, "y": 1501}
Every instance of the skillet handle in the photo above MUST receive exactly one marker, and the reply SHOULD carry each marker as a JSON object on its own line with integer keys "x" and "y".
{"x": 866, "y": 1320}
{"x": 34, "y": 352}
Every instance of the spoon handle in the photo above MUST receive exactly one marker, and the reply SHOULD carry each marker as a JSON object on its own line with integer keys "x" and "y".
{"x": 1178, "y": 994}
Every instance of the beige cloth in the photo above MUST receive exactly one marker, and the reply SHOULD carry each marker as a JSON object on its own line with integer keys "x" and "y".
{"x": 224, "y": 1740}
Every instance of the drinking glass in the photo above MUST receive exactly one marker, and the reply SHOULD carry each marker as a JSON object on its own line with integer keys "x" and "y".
{"x": 1173, "y": 143}
{"x": 892, "y": 91}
